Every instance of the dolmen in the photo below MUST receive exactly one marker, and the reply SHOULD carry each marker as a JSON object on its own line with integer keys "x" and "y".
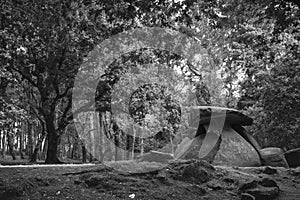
{"x": 221, "y": 138}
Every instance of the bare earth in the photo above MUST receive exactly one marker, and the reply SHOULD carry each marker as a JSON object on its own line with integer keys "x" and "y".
{"x": 187, "y": 180}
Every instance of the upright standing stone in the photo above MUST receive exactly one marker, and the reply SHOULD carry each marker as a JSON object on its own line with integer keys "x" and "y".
{"x": 236, "y": 151}
{"x": 293, "y": 157}
{"x": 273, "y": 156}
{"x": 182, "y": 147}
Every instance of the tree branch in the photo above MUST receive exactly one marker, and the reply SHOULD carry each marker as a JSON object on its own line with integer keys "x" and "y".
{"x": 25, "y": 77}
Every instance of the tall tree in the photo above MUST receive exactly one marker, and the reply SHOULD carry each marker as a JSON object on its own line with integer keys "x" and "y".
{"x": 43, "y": 43}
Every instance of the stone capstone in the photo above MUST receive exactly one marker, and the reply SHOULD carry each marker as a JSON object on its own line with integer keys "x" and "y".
{"x": 232, "y": 116}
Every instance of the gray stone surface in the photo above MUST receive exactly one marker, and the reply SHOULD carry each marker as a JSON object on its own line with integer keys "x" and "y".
{"x": 182, "y": 147}
{"x": 236, "y": 151}
{"x": 293, "y": 157}
{"x": 200, "y": 151}
{"x": 191, "y": 151}
{"x": 273, "y": 156}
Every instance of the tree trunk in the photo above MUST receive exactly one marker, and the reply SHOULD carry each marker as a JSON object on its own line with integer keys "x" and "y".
{"x": 10, "y": 145}
{"x": 142, "y": 146}
{"x": 83, "y": 153}
{"x": 3, "y": 144}
{"x": 52, "y": 140}
{"x": 37, "y": 148}
{"x": 101, "y": 132}
{"x": 43, "y": 149}
{"x": 133, "y": 143}
{"x": 74, "y": 151}
{"x": 172, "y": 143}
{"x": 29, "y": 147}
{"x": 69, "y": 152}
{"x": 116, "y": 146}
{"x": 21, "y": 144}
{"x": 91, "y": 157}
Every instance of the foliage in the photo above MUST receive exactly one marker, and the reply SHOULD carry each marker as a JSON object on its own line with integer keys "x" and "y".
{"x": 11, "y": 105}
{"x": 252, "y": 62}
{"x": 271, "y": 86}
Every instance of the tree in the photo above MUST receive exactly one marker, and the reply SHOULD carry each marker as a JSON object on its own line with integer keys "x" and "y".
{"x": 11, "y": 110}
{"x": 43, "y": 43}
{"x": 271, "y": 86}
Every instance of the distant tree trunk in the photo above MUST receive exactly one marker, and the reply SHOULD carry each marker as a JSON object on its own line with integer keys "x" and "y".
{"x": 108, "y": 153}
{"x": 24, "y": 129}
{"x": 101, "y": 132}
{"x": 128, "y": 143}
{"x": 37, "y": 148}
{"x": 116, "y": 146}
{"x": 74, "y": 151}
{"x": 43, "y": 150}
{"x": 133, "y": 143}
{"x": 84, "y": 153}
{"x": 3, "y": 144}
{"x": 91, "y": 145}
{"x": 10, "y": 145}
{"x": 29, "y": 147}
{"x": 142, "y": 146}
{"x": 70, "y": 149}
{"x": 91, "y": 157}
{"x": 172, "y": 143}
{"x": 21, "y": 144}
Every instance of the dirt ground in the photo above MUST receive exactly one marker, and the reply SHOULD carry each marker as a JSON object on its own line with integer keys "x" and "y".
{"x": 180, "y": 180}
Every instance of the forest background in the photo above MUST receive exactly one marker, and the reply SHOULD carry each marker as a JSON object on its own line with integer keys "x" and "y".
{"x": 254, "y": 45}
